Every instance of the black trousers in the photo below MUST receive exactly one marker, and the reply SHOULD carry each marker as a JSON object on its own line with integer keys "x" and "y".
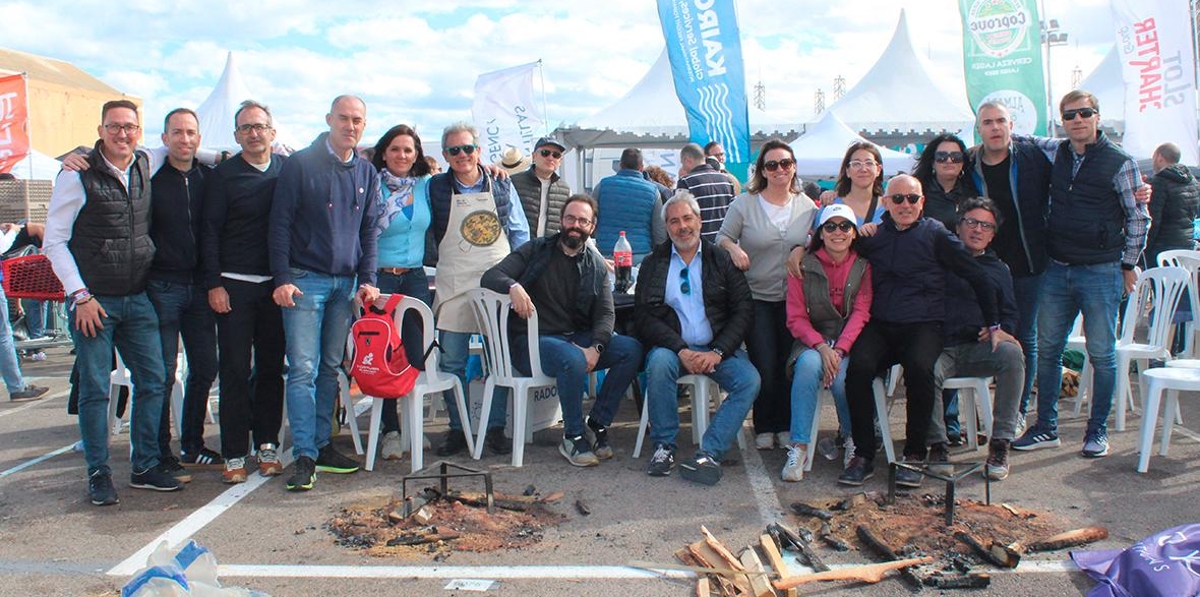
{"x": 768, "y": 345}
{"x": 916, "y": 346}
{"x": 251, "y": 399}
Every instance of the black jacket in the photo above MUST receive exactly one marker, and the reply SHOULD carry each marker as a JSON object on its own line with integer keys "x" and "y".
{"x": 110, "y": 239}
{"x": 727, "y": 301}
{"x": 237, "y": 208}
{"x": 1173, "y": 206}
{"x": 1029, "y": 184}
{"x": 177, "y": 207}
{"x": 964, "y": 319}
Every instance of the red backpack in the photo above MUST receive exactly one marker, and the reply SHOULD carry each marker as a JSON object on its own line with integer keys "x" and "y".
{"x": 380, "y": 365}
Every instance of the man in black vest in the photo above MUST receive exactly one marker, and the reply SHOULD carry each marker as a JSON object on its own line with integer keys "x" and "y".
{"x": 98, "y": 240}
{"x": 542, "y": 191}
{"x": 1095, "y": 235}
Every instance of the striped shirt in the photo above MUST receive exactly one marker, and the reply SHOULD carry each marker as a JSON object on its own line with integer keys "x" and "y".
{"x": 713, "y": 192}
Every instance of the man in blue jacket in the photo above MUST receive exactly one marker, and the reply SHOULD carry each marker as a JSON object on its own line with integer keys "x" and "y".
{"x": 322, "y": 252}
{"x": 632, "y": 204}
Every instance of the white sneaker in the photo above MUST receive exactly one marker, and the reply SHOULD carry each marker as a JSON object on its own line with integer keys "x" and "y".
{"x": 793, "y": 469}
{"x": 392, "y": 449}
{"x": 783, "y": 439}
{"x": 764, "y": 441}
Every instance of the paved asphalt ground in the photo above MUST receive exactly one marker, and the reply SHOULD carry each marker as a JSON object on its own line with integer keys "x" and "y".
{"x": 54, "y": 543}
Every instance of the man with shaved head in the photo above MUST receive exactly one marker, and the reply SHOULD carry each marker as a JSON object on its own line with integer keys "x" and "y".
{"x": 321, "y": 240}
{"x": 909, "y": 256}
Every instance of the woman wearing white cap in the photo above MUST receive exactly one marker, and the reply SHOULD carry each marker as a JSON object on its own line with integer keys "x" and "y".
{"x": 826, "y": 311}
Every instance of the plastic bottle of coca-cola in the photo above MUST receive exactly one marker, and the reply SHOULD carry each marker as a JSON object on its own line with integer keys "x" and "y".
{"x": 623, "y": 261}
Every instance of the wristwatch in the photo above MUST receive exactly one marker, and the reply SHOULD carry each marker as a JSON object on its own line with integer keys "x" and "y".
{"x": 599, "y": 348}
{"x": 720, "y": 353}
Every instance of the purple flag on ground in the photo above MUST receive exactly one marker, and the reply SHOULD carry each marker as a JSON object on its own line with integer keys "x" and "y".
{"x": 1166, "y": 564}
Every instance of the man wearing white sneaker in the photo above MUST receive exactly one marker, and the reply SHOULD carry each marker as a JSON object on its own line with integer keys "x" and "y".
{"x": 694, "y": 310}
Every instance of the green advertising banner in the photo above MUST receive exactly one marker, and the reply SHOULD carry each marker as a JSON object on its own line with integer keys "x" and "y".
{"x": 1002, "y": 59}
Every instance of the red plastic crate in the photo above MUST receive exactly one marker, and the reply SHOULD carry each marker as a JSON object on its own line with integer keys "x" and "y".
{"x": 32, "y": 277}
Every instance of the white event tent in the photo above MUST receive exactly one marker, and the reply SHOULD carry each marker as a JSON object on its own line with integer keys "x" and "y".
{"x": 36, "y": 166}
{"x": 820, "y": 150}
{"x": 1107, "y": 84}
{"x": 216, "y": 112}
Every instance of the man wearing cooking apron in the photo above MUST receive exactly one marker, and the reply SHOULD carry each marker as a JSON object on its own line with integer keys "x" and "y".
{"x": 477, "y": 221}
{"x": 321, "y": 239}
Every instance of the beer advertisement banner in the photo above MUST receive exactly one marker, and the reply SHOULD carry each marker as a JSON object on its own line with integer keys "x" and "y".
{"x": 1002, "y": 59}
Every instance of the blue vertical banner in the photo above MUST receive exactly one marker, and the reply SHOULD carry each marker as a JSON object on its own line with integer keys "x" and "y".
{"x": 705, "y": 50}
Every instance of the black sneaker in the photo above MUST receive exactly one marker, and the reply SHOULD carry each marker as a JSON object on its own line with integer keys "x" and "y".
{"x": 154, "y": 479}
{"x": 577, "y": 451}
{"x": 857, "y": 472}
{"x": 205, "y": 458}
{"x": 169, "y": 464}
{"x": 304, "y": 474}
{"x": 330, "y": 460}
{"x": 495, "y": 441}
{"x": 662, "y": 461}
{"x": 598, "y": 434}
{"x": 701, "y": 468}
{"x": 997, "y": 460}
{"x": 453, "y": 443}
{"x": 908, "y": 477}
{"x": 31, "y": 392}
{"x": 101, "y": 490}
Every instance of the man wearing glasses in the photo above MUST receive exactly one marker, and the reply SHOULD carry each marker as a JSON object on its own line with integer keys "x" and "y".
{"x": 971, "y": 349}
{"x": 321, "y": 245}
{"x": 542, "y": 191}
{"x": 1096, "y": 231}
{"x": 568, "y": 286}
{"x": 477, "y": 221}
{"x": 236, "y": 271}
{"x": 98, "y": 241}
{"x": 694, "y": 310}
{"x": 909, "y": 256}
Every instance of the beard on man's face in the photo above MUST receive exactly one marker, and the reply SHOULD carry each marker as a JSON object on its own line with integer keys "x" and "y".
{"x": 574, "y": 238}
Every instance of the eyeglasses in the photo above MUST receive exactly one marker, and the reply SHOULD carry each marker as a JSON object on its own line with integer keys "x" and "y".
{"x": 900, "y": 198}
{"x": 1084, "y": 112}
{"x": 572, "y": 220}
{"x": 685, "y": 283}
{"x": 954, "y": 157}
{"x": 257, "y": 127}
{"x": 832, "y": 226}
{"x": 457, "y": 149}
{"x": 862, "y": 164}
{"x": 115, "y": 129}
{"x": 773, "y": 165}
{"x": 548, "y": 152}
{"x": 973, "y": 223}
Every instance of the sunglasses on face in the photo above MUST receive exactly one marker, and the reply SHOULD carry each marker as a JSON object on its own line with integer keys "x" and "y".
{"x": 685, "y": 283}
{"x": 832, "y": 226}
{"x": 900, "y": 198}
{"x": 548, "y": 153}
{"x": 457, "y": 149}
{"x": 973, "y": 223}
{"x": 1084, "y": 112}
{"x": 773, "y": 165}
{"x": 954, "y": 157}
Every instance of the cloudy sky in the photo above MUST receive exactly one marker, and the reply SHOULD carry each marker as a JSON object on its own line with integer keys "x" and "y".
{"x": 416, "y": 62}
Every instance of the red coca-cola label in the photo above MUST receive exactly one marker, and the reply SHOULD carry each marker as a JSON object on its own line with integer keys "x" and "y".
{"x": 623, "y": 259}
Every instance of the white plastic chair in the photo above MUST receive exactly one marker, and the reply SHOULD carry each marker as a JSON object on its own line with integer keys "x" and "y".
{"x": 1188, "y": 260}
{"x": 1162, "y": 286}
{"x": 704, "y": 393}
{"x": 119, "y": 377}
{"x": 1157, "y": 380}
{"x": 492, "y": 311}
{"x": 1077, "y": 341}
{"x": 347, "y": 403}
{"x": 432, "y": 381}
{"x": 975, "y": 403}
{"x": 883, "y": 407}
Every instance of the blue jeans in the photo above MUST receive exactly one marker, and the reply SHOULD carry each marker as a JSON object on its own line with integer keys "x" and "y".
{"x": 315, "y": 331}
{"x": 806, "y": 383}
{"x": 35, "y": 317}
{"x": 411, "y": 283}
{"x": 132, "y": 328}
{"x": 1066, "y": 291}
{"x": 456, "y": 348}
{"x": 183, "y": 309}
{"x": 734, "y": 374}
{"x": 1028, "y": 291}
{"x": 10, "y": 367}
{"x": 562, "y": 359}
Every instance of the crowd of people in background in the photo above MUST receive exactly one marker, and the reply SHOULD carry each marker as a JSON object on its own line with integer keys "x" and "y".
{"x": 973, "y": 264}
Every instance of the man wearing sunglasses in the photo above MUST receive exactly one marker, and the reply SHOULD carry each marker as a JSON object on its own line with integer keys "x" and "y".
{"x": 694, "y": 310}
{"x": 542, "y": 191}
{"x": 568, "y": 286}
{"x": 1096, "y": 230}
{"x": 909, "y": 257}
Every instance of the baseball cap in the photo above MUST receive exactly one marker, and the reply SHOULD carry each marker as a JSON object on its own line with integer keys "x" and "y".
{"x": 838, "y": 210}
{"x": 549, "y": 141}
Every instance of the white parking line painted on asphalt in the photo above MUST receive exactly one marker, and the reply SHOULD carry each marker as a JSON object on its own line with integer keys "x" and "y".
{"x": 33, "y": 403}
{"x": 770, "y": 509}
{"x": 42, "y": 458}
{"x": 195, "y": 521}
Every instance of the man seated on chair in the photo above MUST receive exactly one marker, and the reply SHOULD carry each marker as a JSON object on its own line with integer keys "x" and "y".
{"x": 568, "y": 286}
{"x": 693, "y": 311}
{"x": 972, "y": 349}
{"x": 909, "y": 256}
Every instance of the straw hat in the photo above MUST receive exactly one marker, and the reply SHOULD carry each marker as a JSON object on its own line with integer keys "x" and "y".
{"x": 513, "y": 161}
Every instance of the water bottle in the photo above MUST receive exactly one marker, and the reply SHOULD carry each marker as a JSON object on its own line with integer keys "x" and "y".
{"x": 623, "y": 261}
